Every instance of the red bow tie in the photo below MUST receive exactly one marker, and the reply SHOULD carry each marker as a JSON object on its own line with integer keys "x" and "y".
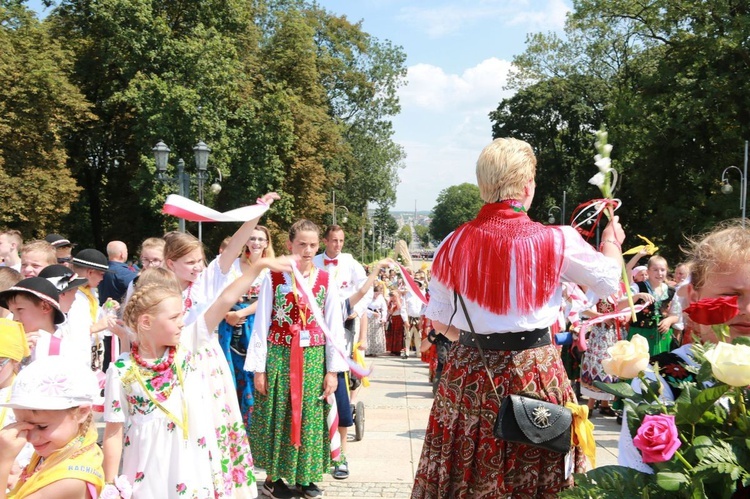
{"x": 328, "y": 262}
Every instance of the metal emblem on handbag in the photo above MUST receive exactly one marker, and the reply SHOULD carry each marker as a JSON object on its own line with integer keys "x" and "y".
{"x": 530, "y": 421}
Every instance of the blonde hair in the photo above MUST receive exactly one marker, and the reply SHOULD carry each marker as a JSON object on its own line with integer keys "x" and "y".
{"x": 656, "y": 259}
{"x": 504, "y": 168}
{"x": 153, "y": 242}
{"x": 144, "y": 300}
{"x": 42, "y": 247}
{"x": 8, "y": 277}
{"x": 267, "y": 251}
{"x": 158, "y": 276}
{"x": 720, "y": 251}
{"x": 179, "y": 244}
{"x": 14, "y": 236}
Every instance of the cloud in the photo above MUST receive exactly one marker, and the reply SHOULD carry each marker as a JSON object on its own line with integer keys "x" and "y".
{"x": 430, "y": 88}
{"x": 453, "y": 17}
{"x": 443, "y": 126}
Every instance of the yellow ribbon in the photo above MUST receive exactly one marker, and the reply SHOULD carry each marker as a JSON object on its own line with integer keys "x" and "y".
{"x": 359, "y": 358}
{"x": 583, "y": 431}
{"x": 650, "y": 247}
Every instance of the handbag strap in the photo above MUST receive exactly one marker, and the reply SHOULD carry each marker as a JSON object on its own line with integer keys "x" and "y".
{"x": 478, "y": 344}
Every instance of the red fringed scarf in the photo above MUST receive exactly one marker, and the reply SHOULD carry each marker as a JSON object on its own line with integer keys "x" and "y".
{"x": 476, "y": 259}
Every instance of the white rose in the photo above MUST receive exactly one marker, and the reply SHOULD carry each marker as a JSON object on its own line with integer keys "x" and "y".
{"x": 627, "y": 358}
{"x": 730, "y": 363}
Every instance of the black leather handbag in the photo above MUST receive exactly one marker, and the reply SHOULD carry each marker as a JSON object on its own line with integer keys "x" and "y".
{"x": 530, "y": 421}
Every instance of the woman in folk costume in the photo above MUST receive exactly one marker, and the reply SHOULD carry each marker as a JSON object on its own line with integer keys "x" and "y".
{"x": 508, "y": 270}
{"x": 296, "y": 368}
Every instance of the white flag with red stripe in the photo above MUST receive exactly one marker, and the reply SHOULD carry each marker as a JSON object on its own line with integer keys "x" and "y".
{"x": 191, "y": 211}
{"x": 411, "y": 284}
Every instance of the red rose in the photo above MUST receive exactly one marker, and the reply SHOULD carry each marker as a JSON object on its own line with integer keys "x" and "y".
{"x": 711, "y": 311}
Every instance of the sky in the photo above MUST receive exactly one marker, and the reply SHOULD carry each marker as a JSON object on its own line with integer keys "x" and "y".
{"x": 458, "y": 56}
{"x": 458, "y": 53}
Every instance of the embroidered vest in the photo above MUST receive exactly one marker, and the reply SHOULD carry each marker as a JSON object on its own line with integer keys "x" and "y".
{"x": 287, "y": 311}
{"x": 648, "y": 317}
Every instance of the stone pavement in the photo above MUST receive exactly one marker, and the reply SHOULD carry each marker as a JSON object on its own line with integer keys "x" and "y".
{"x": 397, "y": 406}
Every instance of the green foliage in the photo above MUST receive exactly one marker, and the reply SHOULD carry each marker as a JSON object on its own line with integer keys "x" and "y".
{"x": 290, "y": 98}
{"x": 611, "y": 482}
{"x": 670, "y": 81}
{"x": 455, "y": 206}
{"x": 405, "y": 234}
{"x": 39, "y": 107}
{"x": 423, "y": 233}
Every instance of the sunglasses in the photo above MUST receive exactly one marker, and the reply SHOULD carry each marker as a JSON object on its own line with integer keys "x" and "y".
{"x": 64, "y": 260}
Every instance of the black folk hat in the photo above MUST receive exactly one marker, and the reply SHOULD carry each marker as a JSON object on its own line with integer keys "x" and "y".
{"x": 62, "y": 277}
{"x": 57, "y": 240}
{"x": 91, "y": 259}
{"x": 39, "y": 287}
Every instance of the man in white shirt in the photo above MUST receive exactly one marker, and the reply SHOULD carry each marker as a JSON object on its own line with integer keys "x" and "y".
{"x": 349, "y": 275}
{"x": 414, "y": 307}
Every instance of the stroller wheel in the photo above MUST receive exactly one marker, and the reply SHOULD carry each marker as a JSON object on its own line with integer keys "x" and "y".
{"x": 359, "y": 421}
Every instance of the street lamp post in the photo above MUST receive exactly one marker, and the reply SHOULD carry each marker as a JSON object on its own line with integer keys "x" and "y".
{"x": 550, "y": 216}
{"x": 334, "y": 209}
{"x": 182, "y": 178}
{"x": 726, "y": 187}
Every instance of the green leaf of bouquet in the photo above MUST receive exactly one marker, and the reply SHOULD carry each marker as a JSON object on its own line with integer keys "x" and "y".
{"x": 741, "y": 340}
{"x": 672, "y": 481}
{"x": 702, "y": 402}
{"x": 610, "y": 482}
{"x": 705, "y": 373}
{"x": 621, "y": 389}
{"x": 701, "y": 445}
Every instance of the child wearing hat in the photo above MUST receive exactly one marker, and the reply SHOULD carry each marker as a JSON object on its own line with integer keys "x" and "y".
{"x": 52, "y": 403}
{"x": 34, "y": 302}
{"x": 13, "y": 349}
{"x": 77, "y": 342}
{"x": 63, "y": 248}
{"x": 85, "y": 314}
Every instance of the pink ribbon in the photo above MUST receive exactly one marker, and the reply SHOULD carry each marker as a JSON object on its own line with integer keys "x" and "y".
{"x": 182, "y": 207}
{"x": 332, "y": 418}
{"x": 585, "y": 325}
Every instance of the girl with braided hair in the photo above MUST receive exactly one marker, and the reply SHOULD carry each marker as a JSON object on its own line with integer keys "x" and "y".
{"x": 156, "y": 398}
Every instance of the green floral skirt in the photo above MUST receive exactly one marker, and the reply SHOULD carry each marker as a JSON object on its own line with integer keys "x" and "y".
{"x": 270, "y": 429}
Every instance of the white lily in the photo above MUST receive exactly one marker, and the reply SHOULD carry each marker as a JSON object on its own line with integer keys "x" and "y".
{"x": 597, "y": 180}
{"x": 604, "y": 164}
{"x": 608, "y": 149}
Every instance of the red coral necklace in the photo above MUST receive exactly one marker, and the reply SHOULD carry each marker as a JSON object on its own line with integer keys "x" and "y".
{"x": 162, "y": 365}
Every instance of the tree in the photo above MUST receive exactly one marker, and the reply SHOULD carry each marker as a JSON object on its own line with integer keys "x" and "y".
{"x": 670, "y": 82}
{"x": 455, "y": 205}
{"x": 39, "y": 107}
{"x": 405, "y": 234}
{"x": 423, "y": 233}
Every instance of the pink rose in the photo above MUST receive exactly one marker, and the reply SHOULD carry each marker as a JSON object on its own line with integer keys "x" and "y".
{"x": 657, "y": 438}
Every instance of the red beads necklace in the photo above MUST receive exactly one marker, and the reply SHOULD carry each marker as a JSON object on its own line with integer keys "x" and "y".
{"x": 160, "y": 366}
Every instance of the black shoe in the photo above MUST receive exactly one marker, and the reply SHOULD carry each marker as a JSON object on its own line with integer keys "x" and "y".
{"x": 311, "y": 490}
{"x": 277, "y": 489}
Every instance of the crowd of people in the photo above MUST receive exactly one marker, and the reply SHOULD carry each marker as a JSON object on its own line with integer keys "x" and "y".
{"x": 203, "y": 370}
{"x": 199, "y": 370}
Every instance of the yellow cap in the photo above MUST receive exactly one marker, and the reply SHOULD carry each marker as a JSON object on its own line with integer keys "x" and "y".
{"x": 13, "y": 343}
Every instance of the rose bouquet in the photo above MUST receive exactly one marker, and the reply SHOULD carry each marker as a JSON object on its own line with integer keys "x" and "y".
{"x": 688, "y": 419}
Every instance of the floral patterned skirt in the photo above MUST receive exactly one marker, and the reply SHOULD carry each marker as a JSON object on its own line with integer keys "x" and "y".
{"x": 462, "y": 458}
{"x": 270, "y": 430}
{"x": 602, "y": 337}
{"x": 375, "y": 336}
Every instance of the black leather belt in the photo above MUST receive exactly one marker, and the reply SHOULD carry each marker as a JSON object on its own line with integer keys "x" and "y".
{"x": 523, "y": 340}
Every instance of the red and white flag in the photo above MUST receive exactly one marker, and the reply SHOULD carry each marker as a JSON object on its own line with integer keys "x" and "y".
{"x": 182, "y": 207}
{"x": 411, "y": 284}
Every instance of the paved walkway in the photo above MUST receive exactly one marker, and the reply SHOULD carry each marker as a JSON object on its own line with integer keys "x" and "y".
{"x": 397, "y": 406}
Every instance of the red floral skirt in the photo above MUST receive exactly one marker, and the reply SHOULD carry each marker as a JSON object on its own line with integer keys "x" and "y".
{"x": 394, "y": 335}
{"x": 462, "y": 458}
